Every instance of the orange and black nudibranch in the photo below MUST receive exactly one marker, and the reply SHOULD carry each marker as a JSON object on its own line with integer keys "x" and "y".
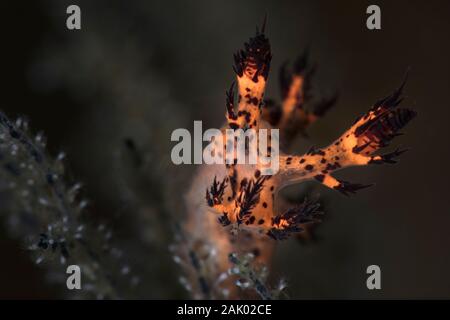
{"x": 245, "y": 198}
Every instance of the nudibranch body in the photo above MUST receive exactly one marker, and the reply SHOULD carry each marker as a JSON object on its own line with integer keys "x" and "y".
{"x": 233, "y": 208}
{"x": 242, "y": 196}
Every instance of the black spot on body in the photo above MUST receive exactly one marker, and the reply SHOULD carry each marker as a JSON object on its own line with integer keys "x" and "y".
{"x": 334, "y": 166}
{"x": 254, "y": 101}
{"x": 319, "y": 177}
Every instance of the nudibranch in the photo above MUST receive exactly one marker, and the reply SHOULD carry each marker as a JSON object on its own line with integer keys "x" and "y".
{"x": 240, "y": 195}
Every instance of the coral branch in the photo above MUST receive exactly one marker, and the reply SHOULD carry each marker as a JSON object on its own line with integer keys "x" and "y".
{"x": 45, "y": 211}
{"x": 253, "y": 277}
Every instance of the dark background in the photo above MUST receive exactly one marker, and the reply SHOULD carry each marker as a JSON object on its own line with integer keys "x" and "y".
{"x": 144, "y": 68}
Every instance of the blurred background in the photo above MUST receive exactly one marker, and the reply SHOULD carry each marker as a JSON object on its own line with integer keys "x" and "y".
{"x": 137, "y": 70}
